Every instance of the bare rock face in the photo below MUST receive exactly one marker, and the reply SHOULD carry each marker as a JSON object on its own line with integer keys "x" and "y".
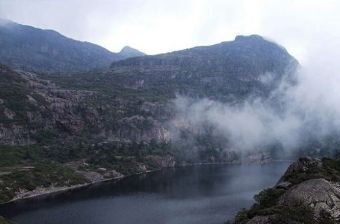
{"x": 319, "y": 194}
{"x": 41, "y": 108}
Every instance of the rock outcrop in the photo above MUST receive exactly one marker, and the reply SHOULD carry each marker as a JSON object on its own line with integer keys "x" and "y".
{"x": 319, "y": 194}
{"x": 308, "y": 192}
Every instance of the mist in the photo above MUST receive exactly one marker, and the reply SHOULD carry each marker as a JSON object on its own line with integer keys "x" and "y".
{"x": 292, "y": 116}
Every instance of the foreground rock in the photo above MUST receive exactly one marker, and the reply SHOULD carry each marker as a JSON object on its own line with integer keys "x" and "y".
{"x": 319, "y": 194}
{"x": 309, "y": 192}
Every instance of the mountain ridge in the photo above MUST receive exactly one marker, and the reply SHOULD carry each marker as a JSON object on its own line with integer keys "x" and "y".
{"x": 48, "y": 51}
{"x": 218, "y": 69}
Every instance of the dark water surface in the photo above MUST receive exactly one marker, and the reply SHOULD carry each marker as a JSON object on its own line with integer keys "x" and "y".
{"x": 202, "y": 195}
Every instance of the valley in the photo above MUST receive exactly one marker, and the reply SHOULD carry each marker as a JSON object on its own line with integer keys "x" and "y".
{"x": 78, "y": 118}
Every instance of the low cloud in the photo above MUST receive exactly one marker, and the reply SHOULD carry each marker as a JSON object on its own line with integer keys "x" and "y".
{"x": 292, "y": 116}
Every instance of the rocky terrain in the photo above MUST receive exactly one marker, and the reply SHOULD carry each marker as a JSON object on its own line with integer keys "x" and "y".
{"x": 47, "y": 51}
{"x": 34, "y": 109}
{"x": 308, "y": 192}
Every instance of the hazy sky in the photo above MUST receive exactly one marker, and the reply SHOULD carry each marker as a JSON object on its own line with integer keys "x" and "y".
{"x": 156, "y": 26}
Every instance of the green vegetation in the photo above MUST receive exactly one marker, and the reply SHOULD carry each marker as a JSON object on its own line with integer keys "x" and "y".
{"x": 29, "y": 167}
{"x": 38, "y": 175}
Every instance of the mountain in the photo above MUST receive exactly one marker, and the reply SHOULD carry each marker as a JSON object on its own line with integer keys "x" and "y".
{"x": 47, "y": 51}
{"x": 92, "y": 126}
{"x": 133, "y": 100}
{"x": 229, "y": 70}
{"x": 129, "y": 52}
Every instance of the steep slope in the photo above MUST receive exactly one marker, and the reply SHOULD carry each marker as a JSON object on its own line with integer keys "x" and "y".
{"x": 34, "y": 109}
{"x": 34, "y": 49}
{"x": 229, "y": 70}
{"x": 30, "y": 107}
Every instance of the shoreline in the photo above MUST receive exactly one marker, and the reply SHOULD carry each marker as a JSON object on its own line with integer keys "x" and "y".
{"x": 63, "y": 189}
{"x": 45, "y": 192}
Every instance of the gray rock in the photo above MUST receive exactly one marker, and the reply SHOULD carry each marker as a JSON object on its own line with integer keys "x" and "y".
{"x": 319, "y": 194}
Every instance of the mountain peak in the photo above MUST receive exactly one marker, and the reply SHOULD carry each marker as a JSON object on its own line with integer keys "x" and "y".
{"x": 250, "y": 37}
{"x": 130, "y": 52}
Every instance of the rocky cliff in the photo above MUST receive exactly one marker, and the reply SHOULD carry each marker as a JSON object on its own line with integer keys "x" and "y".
{"x": 34, "y": 109}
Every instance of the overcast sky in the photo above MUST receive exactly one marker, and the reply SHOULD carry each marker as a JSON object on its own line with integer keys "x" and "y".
{"x": 156, "y": 26}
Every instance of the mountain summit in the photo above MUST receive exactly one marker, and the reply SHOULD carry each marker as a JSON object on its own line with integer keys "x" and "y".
{"x": 129, "y": 52}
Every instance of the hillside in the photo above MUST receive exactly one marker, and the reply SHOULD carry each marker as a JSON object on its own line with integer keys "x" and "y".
{"x": 133, "y": 101}
{"x": 92, "y": 126}
{"x": 48, "y": 51}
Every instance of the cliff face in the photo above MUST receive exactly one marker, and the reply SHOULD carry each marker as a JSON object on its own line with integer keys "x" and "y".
{"x": 309, "y": 192}
{"x": 34, "y": 109}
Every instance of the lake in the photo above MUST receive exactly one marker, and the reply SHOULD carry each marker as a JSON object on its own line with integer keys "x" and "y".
{"x": 209, "y": 194}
